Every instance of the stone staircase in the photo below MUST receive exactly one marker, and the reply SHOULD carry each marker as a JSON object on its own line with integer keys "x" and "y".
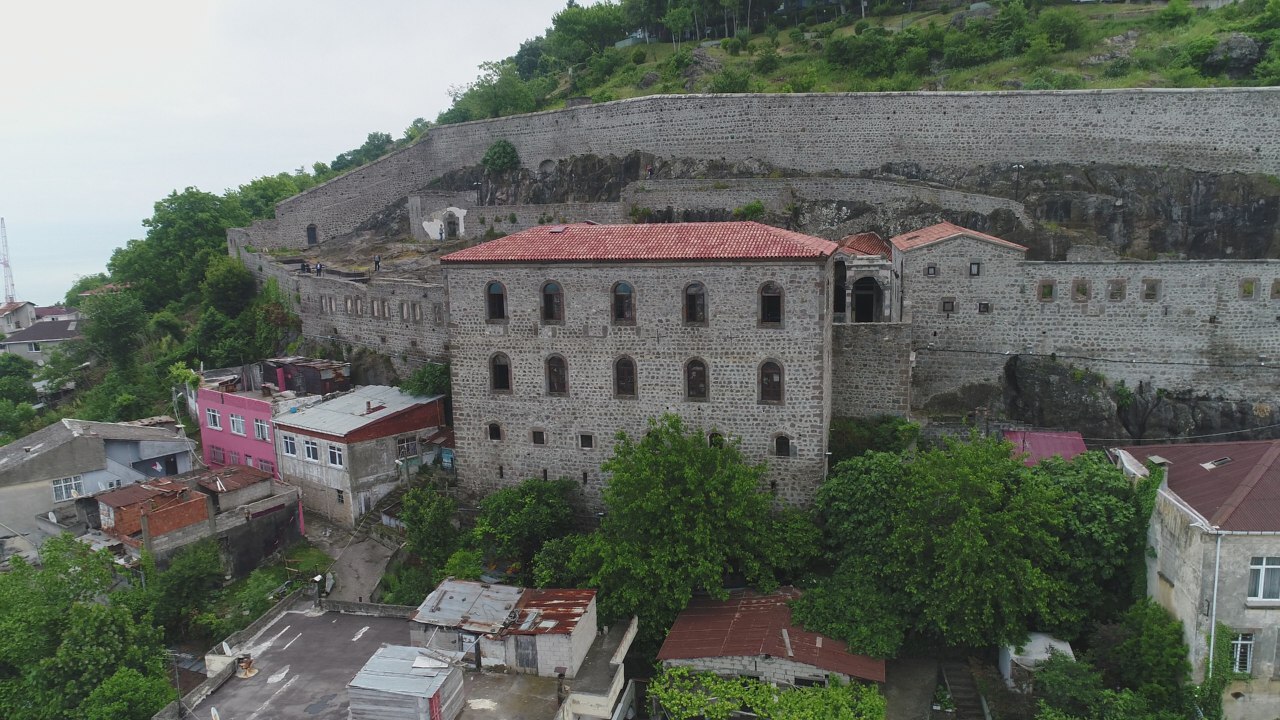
{"x": 964, "y": 692}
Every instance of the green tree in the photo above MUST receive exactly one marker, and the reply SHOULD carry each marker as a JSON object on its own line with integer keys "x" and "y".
{"x": 579, "y": 32}
{"x": 128, "y": 695}
{"x": 428, "y": 520}
{"x": 228, "y": 286}
{"x": 946, "y": 545}
{"x": 84, "y": 283}
{"x": 428, "y": 380}
{"x": 501, "y": 157}
{"x": 17, "y": 390}
{"x": 678, "y": 20}
{"x": 16, "y": 366}
{"x": 515, "y": 521}
{"x": 1066, "y": 27}
{"x": 112, "y": 326}
{"x": 1145, "y": 653}
{"x": 187, "y": 588}
{"x": 851, "y": 437}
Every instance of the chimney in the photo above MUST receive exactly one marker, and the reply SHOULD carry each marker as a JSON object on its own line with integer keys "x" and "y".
{"x": 368, "y": 407}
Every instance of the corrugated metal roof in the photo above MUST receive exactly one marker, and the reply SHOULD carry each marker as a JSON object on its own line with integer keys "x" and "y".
{"x": 945, "y": 231}
{"x": 404, "y": 671}
{"x": 750, "y": 624}
{"x": 352, "y": 410}
{"x": 1037, "y": 445}
{"x": 623, "y": 243}
{"x": 556, "y": 612}
{"x": 139, "y": 492}
{"x": 476, "y": 607}
{"x": 229, "y": 478}
{"x": 1235, "y": 485}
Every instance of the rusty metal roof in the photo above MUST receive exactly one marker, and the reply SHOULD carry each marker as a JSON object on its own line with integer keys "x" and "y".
{"x": 750, "y": 624}
{"x": 229, "y": 478}
{"x": 139, "y": 492}
{"x": 1038, "y": 445}
{"x": 550, "y": 611}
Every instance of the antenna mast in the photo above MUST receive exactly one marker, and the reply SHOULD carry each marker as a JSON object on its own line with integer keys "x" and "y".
{"x": 4, "y": 260}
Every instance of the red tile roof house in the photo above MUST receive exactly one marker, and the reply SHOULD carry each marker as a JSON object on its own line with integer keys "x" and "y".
{"x": 1215, "y": 536}
{"x": 346, "y": 453}
{"x": 752, "y": 635}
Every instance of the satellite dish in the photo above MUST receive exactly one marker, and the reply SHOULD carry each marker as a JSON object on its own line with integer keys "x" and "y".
{"x": 213, "y": 713}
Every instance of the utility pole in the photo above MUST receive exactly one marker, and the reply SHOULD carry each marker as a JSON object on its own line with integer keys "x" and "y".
{"x": 4, "y": 260}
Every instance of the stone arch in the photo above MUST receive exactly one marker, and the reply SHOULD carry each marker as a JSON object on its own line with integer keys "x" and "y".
{"x": 546, "y": 167}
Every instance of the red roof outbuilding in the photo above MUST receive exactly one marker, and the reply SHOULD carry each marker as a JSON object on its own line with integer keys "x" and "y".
{"x": 586, "y": 242}
{"x": 1038, "y": 445}
{"x": 945, "y": 231}
{"x": 751, "y": 625}
{"x": 866, "y": 243}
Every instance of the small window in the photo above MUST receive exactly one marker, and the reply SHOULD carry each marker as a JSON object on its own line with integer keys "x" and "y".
{"x": 586, "y": 441}
{"x": 289, "y": 445}
{"x": 624, "y": 377}
{"x": 67, "y": 488}
{"x": 1275, "y": 289}
{"x": 770, "y": 304}
{"x": 931, "y": 270}
{"x": 984, "y": 308}
{"x": 237, "y": 424}
{"x": 495, "y": 431}
{"x": 335, "y": 455}
{"x": 260, "y": 429}
{"x": 213, "y": 418}
{"x": 1242, "y": 653}
{"x": 695, "y": 380}
{"x": 1115, "y": 290}
{"x": 406, "y": 447}
{"x": 1150, "y": 290}
{"x": 771, "y": 383}
{"x": 233, "y": 458}
{"x": 495, "y": 301}
{"x": 1045, "y": 291}
{"x": 782, "y": 446}
{"x": 975, "y": 269}
{"x": 552, "y": 303}
{"x": 217, "y": 456}
{"x": 539, "y": 437}
{"x": 715, "y": 440}
{"x": 557, "y": 376}
{"x": 1080, "y": 290}
{"x": 33, "y": 347}
{"x": 948, "y": 305}
{"x": 500, "y": 373}
{"x": 312, "y": 449}
{"x": 342, "y": 498}
{"x": 1249, "y": 289}
{"x": 695, "y": 304}
{"x": 624, "y": 305}
{"x": 267, "y": 466}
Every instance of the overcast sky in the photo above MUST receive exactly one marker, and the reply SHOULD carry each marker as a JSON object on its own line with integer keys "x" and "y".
{"x": 106, "y": 107}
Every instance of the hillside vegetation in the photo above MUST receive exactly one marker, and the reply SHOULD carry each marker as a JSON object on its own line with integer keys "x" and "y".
{"x": 829, "y": 47}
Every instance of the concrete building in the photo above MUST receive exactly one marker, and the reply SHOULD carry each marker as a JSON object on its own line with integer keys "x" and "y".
{"x": 37, "y": 340}
{"x": 135, "y": 514}
{"x": 752, "y": 635}
{"x": 347, "y": 452}
{"x": 15, "y": 316}
{"x": 562, "y": 336}
{"x": 1215, "y": 537}
{"x": 47, "y": 470}
{"x": 57, "y": 312}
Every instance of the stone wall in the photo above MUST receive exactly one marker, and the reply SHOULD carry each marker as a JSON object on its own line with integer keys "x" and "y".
{"x": 1219, "y": 130}
{"x": 870, "y": 369}
{"x": 732, "y": 344}
{"x": 1209, "y": 326}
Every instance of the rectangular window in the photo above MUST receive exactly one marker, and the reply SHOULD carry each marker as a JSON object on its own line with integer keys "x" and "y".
{"x": 404, "y": 311}
{"x": 1115, "y": 290}
{"x": 984, "y": 308}
{"x": 312, "y": 450}
{"x": 290, "y": 445}
{"x": 342, "y": 498}
{"x": 260, "y": 429}
{"x": 237, "y": 424}
{"x": 1080, "y": 290}
{"x": 1150, "y": 289}
{"x": 67, "y": 488}
{"x": 267, "y": 466}
{"x": 539, "y": 437}
{"x": 1242, "y": 653}
{"x": 1249, "y": 288}
{"x": 33, "y": 347}
{"x": 213, "y": 418}
{"x": 407, "y": 447}
{"x": 1045, "y": 291}
{"x": 217, "y": 456}
{"x": 975, "y": 269}
{"x": 931, "y": 270}
{"x": 1264, "y": 578}
{"x": 335, "y": 455}
{"x": 233, "y": 458}
{"x": 948, "y": 305}
{"x": 586, "y": 442}
{"x": 1275, "y": 289}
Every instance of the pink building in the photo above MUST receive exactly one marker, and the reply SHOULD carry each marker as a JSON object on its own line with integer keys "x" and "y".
{"x": 236, "y": 407}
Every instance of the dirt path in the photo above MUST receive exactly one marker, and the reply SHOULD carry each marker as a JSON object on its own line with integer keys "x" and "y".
{"x": 359, "y": 559}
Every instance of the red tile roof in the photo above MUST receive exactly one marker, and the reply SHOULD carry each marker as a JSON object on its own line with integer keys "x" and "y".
{"x": 48, "y": 310}
{"x": 1242, "y": 493}
{"x": 867, "y": 243}
{"x": 632, "y": 243}
{"x": 1040, "y": 445}
{"x": 750, "y": 624}
{"x": 944, "y": 231}
{"x": 550, "y": 611}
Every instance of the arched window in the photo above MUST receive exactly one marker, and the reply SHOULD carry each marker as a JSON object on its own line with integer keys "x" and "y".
{"x": 695, "y": 304}
{"x": 771, "y": 382}
{"x": 624, "y": 304}
{"x": 782, "y": 446}
{"x": 552, "y": 303}
{"x": 495, "y": 431}
{"x": 500, "y": 373}
{"x": 313, "y": 235}
{"x": 495, "y": 301}
{"x": 557, "y": 376}
{"x": 624, "y": 377}
{"x": 770, "y": 304}
{"x": 695, "y": 380}
{"x": 715, "y": 440}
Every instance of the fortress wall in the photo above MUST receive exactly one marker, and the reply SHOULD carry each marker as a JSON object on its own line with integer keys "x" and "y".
{"x": 870, "y": 369}
{"x": 1200, "y": 332}
{"x": 1219, "y": 130}
{"x": 527, "y": 216}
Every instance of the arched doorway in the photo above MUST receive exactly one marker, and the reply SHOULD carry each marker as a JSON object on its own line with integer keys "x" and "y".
{"x": 840, "y": 301}
{"x": 866, "y": 300}
{"x": 313, "y": 236}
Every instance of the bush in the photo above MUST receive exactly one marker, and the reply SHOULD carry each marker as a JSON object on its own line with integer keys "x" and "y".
{"x": 796, "y": 34}
{"x": 753, "y": 210}
{"x": 430, "y": 379}
{"x": 767, "y": 61}
{"x": 730, "y": 80}
{"x": 501, "y": 157}
{"x": 733, "y": 46}
{"x": 1177, "y": 12}
{"x": 639, "y": 56}
{"x": 1067, "y": 28}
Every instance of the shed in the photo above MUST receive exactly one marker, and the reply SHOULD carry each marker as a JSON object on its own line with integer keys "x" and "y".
{"x": 405, "y": 683}
{"x": 1018, "y": 664}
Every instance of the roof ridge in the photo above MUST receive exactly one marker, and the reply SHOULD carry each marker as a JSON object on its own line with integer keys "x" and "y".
{"x": 1237, "y": 496}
